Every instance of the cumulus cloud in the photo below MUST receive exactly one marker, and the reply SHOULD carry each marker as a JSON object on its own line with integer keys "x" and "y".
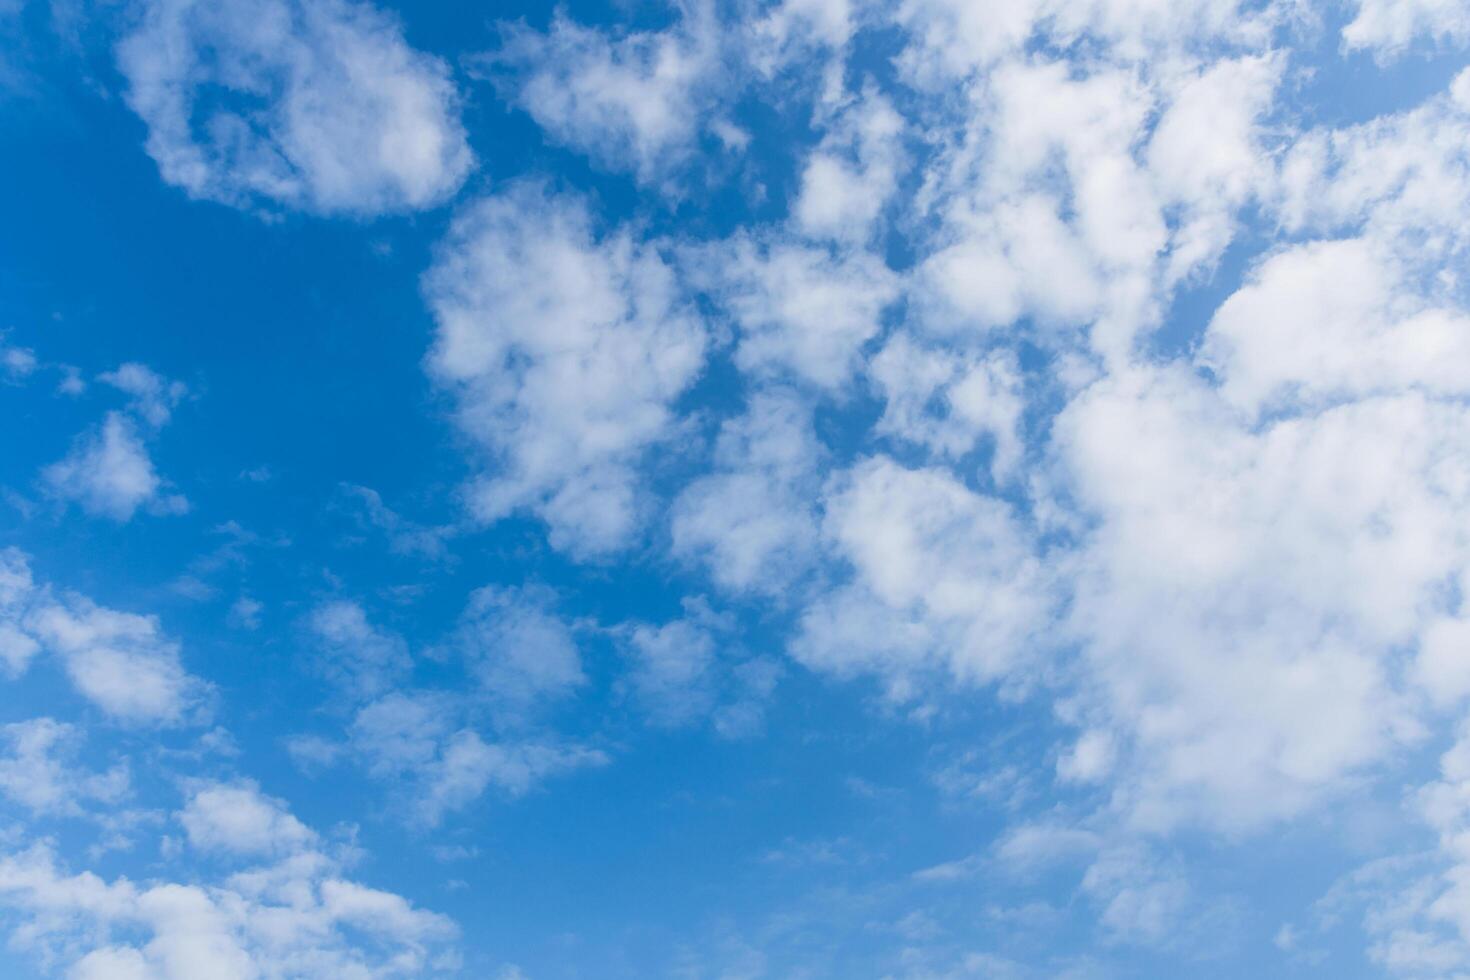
{"x": 631, "y": 100}
{"x": 109, "y": 473}
{"x": 752, "y": 522}
{"x": 317, "y": 106}
{"x": 803, "y": 311}
{"x": 122, "y": 662}
{"x": 363, "y": 658}
{"x": 564, "y": 349}
{"x": 518, "y": 649}
{"x": 237, "y": 819}
{"x": 947, "y": 401}
{"x": 849, "y": 177}
{"x": 418, "y": 738}
{"x": 298, "y": 917}
{"x": 41, "y": 773}
{"x": 153, "y": 396}
{"x": 943, "y": 580}
{"x": 1388, "y": 27}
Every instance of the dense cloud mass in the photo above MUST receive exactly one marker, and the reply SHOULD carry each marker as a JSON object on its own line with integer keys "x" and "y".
{"x": 1011, "y": 462}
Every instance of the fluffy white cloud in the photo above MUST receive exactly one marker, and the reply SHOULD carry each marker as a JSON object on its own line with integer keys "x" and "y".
{"x": 1328, "y": 321}
{"x": 108, "y": 473}
{"x": 946, "y": 401}
{"x": 18, "y": 363}
{"x": 518, "y": 649}
{"x": 418, "y": 737}
{"x": 795, "y": 29}
{"x": 849, "y": 178}
{"x": 363, "y": 658}
{"x": 153, "y": 396}
{"x": 468, "y": 765}
{"x": 672, "y": 673}
{"x": 1388, "y": 27}
{"x": 564, "y": 349}
{"x": 40, "y": 774}
{"x": 236, "y": 818}
{"x": 632, "y": 100}
{"x": 297, "y": 918}
{"x": 803, "y": 311}
{"x": 122, "y": 662}
{"x": 1400, "y": 181}
{"x": 320, "y": 106}
{"x": 949, "y": 38}
{"x": 17, "y": 591}
{"x": 944, "y": 580}
{"x": 1243, "y": 590}
{"x": 752, "y": 521}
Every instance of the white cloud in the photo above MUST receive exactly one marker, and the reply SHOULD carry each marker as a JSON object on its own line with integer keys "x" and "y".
{"x": 17, "y": 590}
{"x": 631, "y": 101}
{"x": 121, "y": 662}
{"x": 1328, "y": 321}
{"x": 802, "y": 310}
{"x": 418, "y": 738}
{"x": 108, "y": 473}
{"x": 954, "y": 38}
{"x": 944, "y": 580}
{"x": 237, "y": 819}
{"x": 296, "y": 918}
{"x": 320, "y": 106}
{"x": 521, "y": 653}
{"x": 360, "y": 656}
{"x": 849, "y": 177}
{"x": 564, "y": 350}
{"x": 1402, "y": 180}
{"x": 672, "y": 673}
{"x": 153, "y": 396}
{"x": 980, "y": 395}
{"x": 245, "y": 613}
{"x": 795, "y": 29}
{"x": 468, "y": 765}
{"x": 1205, "y": 154}
{"x": 1415, "y": 906}
{"x": 1243, "y": 590}
{"x": 752, "y": 521}
{"x": 18, "y": 363}
{"x": 405, "y": 537}
{"x": 1388, "y": 27}
{"x": 41, "y": 776}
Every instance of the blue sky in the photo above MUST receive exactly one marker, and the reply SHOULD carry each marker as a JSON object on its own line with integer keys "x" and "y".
{"x": 734, "y": 490}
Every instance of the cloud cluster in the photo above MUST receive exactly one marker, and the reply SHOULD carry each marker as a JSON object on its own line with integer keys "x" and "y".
{"x": 318, "y": 106}
{"x": 109, "y": 471}
{"x": 294, "y": 915}
{"x": 122, "y": 662}
{"x": 564, "y": 347}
